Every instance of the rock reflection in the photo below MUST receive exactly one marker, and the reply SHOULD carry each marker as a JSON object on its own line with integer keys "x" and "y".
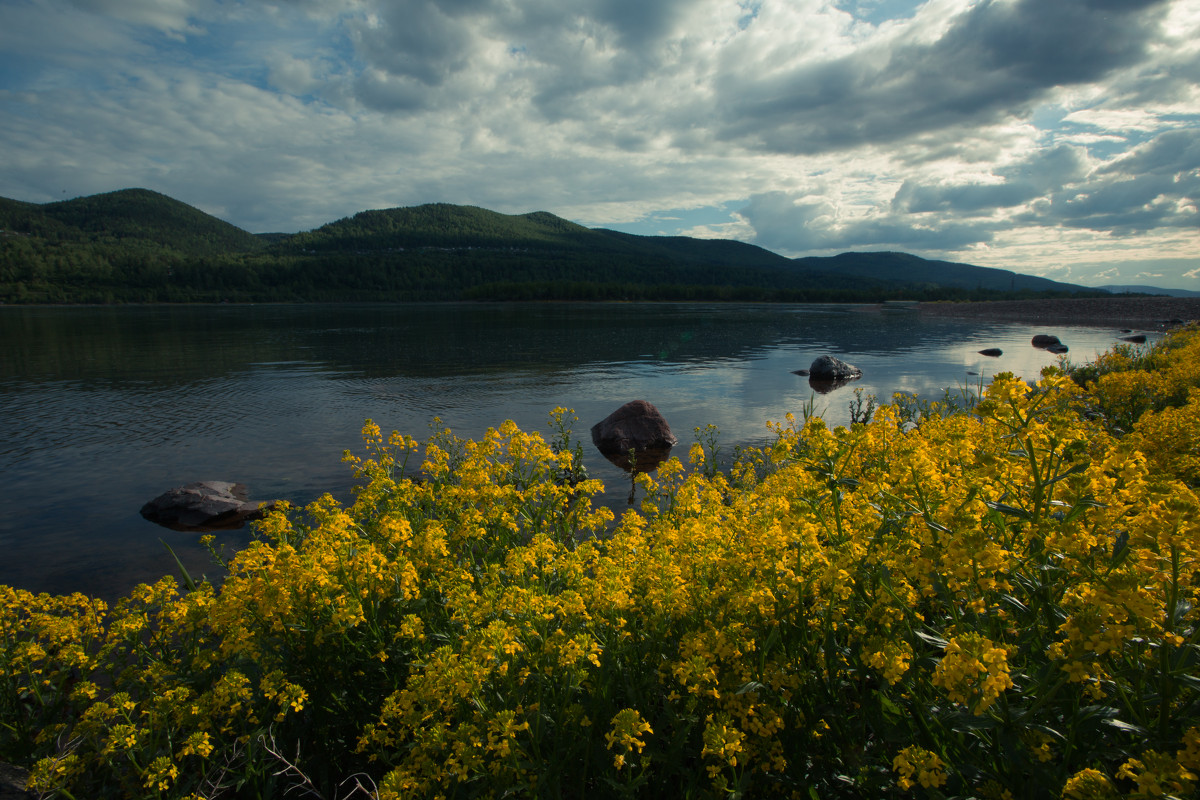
{"x": 644, "y": 460}
{"x": 821, "y": 386}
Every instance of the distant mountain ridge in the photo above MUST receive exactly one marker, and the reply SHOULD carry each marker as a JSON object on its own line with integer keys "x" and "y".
{"x": 136, "y": 245}
{"x": 1115, "y": 289}
{"x": 888, "y": 266}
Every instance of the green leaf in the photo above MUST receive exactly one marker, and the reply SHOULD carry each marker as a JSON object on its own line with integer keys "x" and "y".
{"x": 962, "y": 722}
{"x": 929, "y": 638}
{"x": 1004, "y": 508}
{"x": 187, "y": 578}
{"x": 1127, "y": 727}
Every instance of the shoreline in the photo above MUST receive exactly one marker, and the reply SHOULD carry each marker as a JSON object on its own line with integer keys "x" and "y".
{"x": 1134, "y": 313}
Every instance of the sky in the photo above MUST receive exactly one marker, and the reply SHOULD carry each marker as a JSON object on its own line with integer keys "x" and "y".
{"x": 1058, "y": 138}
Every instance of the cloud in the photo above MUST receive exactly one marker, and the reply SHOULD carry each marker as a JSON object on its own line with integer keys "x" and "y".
{"x": 1027, "y": 133}
{"x": 1155, "y": 185}
{"x": 994, "y": 61}
{"x": 793, "y": 224}
{"x": 169, "y": 16}
{"x": 1013, "y": 185}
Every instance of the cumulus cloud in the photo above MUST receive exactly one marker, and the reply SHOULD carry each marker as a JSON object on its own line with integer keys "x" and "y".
{"x": 1155, "y": 185}
{"x": 1013, "y": 185}
{"x": 794, "y": 224}
{"x": 994, "y": 61}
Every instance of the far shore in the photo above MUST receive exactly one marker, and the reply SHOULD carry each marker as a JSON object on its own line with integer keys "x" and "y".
{"x": 1134, "y": 313}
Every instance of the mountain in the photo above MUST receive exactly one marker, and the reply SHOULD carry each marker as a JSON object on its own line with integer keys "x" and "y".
{"x": 137, "y": 245}
{"x": 915, "y": 271}
{"x": 450, "y": 226}
{"x": 126, "y": 216}
{"x": 1148, "y": 290}
{"x": 440, "y": 225}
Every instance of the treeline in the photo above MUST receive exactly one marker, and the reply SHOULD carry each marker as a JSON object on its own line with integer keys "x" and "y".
{"x": 137, "y": 246}
{"x": 593, "y": 291}
{"x": 38, "y": 272}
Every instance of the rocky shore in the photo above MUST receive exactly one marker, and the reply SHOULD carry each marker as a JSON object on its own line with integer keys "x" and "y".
{"x": 1137, "y": 313}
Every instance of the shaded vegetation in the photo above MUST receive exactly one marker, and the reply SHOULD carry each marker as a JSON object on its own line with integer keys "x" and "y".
{"x": 138, "y": 246}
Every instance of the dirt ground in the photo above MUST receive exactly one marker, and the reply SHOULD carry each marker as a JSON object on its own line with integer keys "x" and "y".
{"x": 1135, "y": 313}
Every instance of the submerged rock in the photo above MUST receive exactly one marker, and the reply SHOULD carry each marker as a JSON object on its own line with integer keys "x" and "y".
{"x": 205, "y": 506}
{"x": 992, "y": 352}
{"x": 636, "y": 426}
{"x": 828, "y": 368}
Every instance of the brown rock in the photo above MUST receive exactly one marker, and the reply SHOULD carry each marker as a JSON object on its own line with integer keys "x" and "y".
{"x": 204, "y": 506}
{"x": 637, "y": 425}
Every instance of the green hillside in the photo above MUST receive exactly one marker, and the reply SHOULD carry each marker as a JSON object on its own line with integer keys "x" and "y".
{"x": 150, "y": 216}
{"x": 440, "y": 225}
{"x": 137, "y": 245}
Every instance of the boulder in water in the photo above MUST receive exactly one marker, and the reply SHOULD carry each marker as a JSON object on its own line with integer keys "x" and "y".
{"x": 636, "y": 426}
{"x": 205, "y": 506}
{"x": 828, "y": 368}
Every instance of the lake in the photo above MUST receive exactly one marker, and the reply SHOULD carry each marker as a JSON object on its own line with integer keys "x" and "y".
{"x": 102, "y": 409}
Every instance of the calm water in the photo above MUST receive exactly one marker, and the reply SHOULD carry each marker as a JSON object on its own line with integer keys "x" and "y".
{"x": 102, "y": 409}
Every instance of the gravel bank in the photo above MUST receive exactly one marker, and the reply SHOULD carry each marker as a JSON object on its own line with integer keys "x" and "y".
{"x": 1137, "y": 313}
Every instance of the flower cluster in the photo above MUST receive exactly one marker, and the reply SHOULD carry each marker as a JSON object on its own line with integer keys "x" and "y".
{"x": 999, "y": 602}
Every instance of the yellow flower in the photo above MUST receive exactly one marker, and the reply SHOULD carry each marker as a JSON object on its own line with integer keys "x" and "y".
{"x": 973, "y": 671}
{"x": 916, "y": 762}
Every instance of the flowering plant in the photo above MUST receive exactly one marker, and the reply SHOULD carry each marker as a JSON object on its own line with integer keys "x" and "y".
{"x": 998, "y": 603}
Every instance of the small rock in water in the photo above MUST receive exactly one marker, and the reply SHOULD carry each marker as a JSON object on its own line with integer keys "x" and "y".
{"x": 205, "y": 506}
{"x": 828, "y": 368}
{"x": 636, "y": 427}
{"x": 993, "y": 352}
{"x": 1045, "y": 341}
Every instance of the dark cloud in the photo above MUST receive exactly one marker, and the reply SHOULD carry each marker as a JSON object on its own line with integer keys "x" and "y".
{"x": 995, "y": 61}
{"x": 1174, "y": 153}
{"x": 384, "y": 92}
{"x": 1157, "y": 185}
{"x": 787, "y": 224}
{"x": 413, "y": 39}
{"x": 1047, "y": 171}
{"x": 635, "y": 23}
{"x": 567, "y": 49}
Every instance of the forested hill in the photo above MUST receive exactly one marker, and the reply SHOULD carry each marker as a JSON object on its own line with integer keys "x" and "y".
{"x": 904, "y": 267}
{"x": 441, "y": 225}
{"x": 136, "y": 245}
{"x": 129, "y": 215}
